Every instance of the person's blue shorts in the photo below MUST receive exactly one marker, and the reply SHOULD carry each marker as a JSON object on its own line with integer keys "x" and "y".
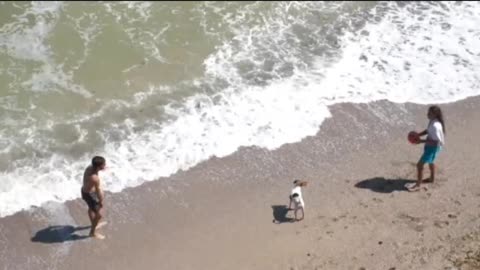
{"x": 430, "y": 153}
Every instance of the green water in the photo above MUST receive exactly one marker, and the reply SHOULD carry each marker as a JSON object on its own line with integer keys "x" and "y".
{"x": 162, "y": 86}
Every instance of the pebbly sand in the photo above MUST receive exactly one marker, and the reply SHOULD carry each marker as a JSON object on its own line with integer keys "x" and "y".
{"x": 229, "y": 213}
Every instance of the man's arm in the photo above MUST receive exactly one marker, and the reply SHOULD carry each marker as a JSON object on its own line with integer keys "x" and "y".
{"x": 98, "y": 190}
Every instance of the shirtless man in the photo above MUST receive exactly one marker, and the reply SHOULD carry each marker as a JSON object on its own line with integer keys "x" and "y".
{"x": 92, "y": 194}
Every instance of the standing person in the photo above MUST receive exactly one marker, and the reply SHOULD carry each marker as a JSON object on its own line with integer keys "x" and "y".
{"x": 433, "y": 144}
{"x": 297, "y": 198}
{"x": 92, "y": 193}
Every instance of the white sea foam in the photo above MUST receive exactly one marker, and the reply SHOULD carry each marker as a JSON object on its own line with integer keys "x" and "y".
{"x": 52, "y": 78}
{"x": 88, "y": 26}
{"x": 403, "y": 58}
{"x": 400, "y": 58}
{"x": 28, "y": 42}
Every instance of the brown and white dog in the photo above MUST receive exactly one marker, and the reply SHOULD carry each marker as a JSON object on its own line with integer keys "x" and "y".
{"x": 297, "y": 198}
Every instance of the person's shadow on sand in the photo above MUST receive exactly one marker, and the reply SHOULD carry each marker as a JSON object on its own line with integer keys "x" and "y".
{"x": 280, "y": 214}
{"x": 59, "y": 234}
{"x": 382, "y": 185}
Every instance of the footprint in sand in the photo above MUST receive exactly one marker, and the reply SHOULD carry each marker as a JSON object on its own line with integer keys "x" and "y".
{"x": 414, "y": 223}
{"x": 409, "y": 218}
{"x": 336, "y": 219}
{"x": 426, "y": 195}
{"x": 364, "y": 205}
{"x": 441, "y": 224}
{"x": 452, "y": 216}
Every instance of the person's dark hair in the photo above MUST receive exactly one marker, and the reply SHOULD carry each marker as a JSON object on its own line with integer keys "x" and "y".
{"x": 98, "y": 161}
{"x": 294, "y": 195}
{"x": 296, "y": 181}
{"x": 437, "y": 113}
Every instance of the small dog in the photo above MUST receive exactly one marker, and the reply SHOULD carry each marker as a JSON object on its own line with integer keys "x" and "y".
{"x": 297, "y": 198}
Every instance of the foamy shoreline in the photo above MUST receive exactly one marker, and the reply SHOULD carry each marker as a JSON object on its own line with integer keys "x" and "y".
{"x": 205, "y": 86}
{"x": 218, "y": 215}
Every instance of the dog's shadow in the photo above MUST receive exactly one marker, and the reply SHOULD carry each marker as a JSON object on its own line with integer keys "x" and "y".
{"x": 382, "y": 185}
{"x": 280, "y": 214}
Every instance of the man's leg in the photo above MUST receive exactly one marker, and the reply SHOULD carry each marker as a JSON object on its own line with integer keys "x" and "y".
{"x": 91, "y": 215}
{"x": 96, "y": 220}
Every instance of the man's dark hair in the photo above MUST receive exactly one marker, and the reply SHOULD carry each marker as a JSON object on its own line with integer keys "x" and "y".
{"x": 98, "y": 161}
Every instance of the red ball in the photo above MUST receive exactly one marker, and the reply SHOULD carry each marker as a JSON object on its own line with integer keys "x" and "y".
{"x": 413, "y": 137}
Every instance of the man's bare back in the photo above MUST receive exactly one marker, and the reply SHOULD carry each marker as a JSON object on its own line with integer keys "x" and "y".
{"x": 90, "y": 179}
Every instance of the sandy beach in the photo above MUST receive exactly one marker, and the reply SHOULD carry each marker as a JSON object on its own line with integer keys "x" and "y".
{"x": 229, "y": 213}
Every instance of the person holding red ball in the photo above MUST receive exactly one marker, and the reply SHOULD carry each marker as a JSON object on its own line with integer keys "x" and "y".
{"x": 433, "y": 144}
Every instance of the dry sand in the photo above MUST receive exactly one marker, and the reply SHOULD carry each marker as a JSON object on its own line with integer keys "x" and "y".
{"x": 228, "y": 213}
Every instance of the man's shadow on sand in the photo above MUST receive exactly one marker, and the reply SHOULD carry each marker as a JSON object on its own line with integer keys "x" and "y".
{"x": 382, "y": 185}
{"x": 59, "y": 234}
{"x": 280, "y": 214}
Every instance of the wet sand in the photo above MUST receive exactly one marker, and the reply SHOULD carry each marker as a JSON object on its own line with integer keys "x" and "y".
{"x": 229, "y": 213}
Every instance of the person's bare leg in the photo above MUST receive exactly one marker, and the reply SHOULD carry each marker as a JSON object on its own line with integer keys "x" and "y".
{"x": 416, "y": 187}
{"x": 296, "y": 209}
{"x": 290, "y": 204}
{"x": 91, "y": 216}
{"x": 432, "y": 172}
{"x": 96, "y": 219}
